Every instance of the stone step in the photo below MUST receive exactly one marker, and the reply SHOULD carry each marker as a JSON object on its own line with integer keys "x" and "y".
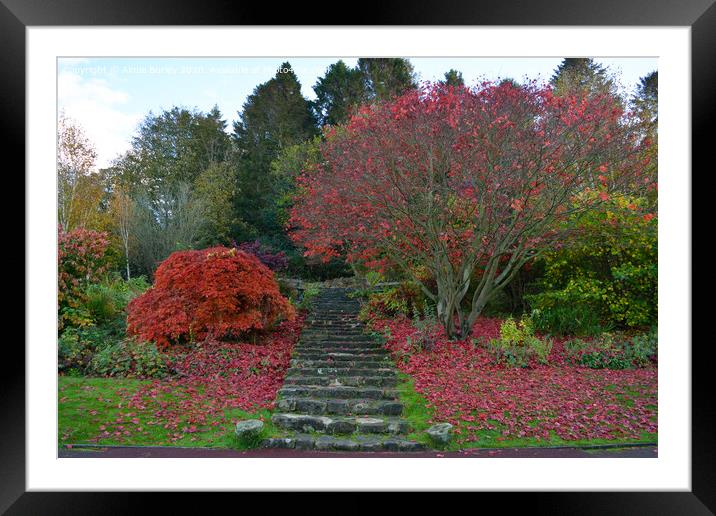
{"x": 381, "y": 359}
{"x": 327, "y": 314}
{"x": 336, "y": 343}
{"x": 333, "y": 326}
{"x": 329, "y": 329}
{"x": 339, "y": 371}
{"x": 359, "y": 443}
{"x": 346, "y": 313}
{"x": 336, "y": 312}
{"x": 338, "y": 392}
{"x": 339, "y": 339}
{"x": 333, "y": 333}
{"x": 349, "y": 314}
{"x": 363, "y": 364}
{"x": 346, "y": 359}
{"x": 377, "y": 352}
{"x": 337, "y": 381}
{"x": 341, "y": 424}
{"x": 322, "y": 308}
{"x": 340, "y": 343}
{"x": 341, "y": 350}
{"x": 344, "y": 407}
{"x": 337, "y": 336}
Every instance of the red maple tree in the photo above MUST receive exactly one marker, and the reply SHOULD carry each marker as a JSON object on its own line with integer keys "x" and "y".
{"x": 449, "y": 179}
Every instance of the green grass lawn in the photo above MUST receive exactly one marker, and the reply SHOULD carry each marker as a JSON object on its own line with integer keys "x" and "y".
{"x": 90, "y": 407}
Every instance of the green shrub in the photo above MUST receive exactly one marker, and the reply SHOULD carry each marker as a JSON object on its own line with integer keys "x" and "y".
{"x": 102, "y": 303}
{"x": 370, "y": 280}
{"x": 609, "y": 268}
{"x": 406, "y": 299}
{"x": 77, "y": 346}
{"x": 70, "y": 350}
{"x": 558, "y": 314}
{"x": 604, "y": 360}
{"x": 613, "y": 351}
{"x": 129, "y": 358}
{"x": 310, "y": 291}
{"x": 427, "y": 326}
{"x": 642, "y": 349}
{"x": 107, "y": 300}
{"x": 287, "y": 289}
{"x": 518, "y": 346}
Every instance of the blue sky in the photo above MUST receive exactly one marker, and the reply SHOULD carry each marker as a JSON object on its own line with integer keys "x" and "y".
{"x": 110, "y": 96}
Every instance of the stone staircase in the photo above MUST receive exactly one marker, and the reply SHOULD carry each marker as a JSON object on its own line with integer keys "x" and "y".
{"x": 339, "y": 393}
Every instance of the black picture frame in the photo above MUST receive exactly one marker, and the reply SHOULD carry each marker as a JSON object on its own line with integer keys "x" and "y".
{"x": 700, "y": 15}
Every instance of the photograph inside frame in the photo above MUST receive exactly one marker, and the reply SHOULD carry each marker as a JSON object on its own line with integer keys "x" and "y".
{"x": 340, "y": 257}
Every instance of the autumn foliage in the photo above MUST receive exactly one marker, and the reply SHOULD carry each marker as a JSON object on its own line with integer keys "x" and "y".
{"x": 210, "y": 293}
{"x": 453, "y": 178}
{"x": 81, "y": 260}
{"x": 463, "y": 386}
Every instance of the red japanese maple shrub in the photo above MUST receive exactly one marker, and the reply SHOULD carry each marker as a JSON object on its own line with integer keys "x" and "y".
{"x": 209, "y": 293}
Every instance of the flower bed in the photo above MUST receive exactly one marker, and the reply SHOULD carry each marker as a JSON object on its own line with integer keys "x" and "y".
{"x": 551, "y": 403}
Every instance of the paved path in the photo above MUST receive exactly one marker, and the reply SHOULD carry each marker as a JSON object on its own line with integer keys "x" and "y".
{"x": 160, "y": 452}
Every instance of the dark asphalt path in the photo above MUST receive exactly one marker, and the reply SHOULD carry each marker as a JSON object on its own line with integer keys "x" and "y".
{"x": 159, "y": 452}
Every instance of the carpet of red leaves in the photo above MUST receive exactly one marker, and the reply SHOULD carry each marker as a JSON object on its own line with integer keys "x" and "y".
{"x": 211, "y": 380}
{"x": 463, "y": 386}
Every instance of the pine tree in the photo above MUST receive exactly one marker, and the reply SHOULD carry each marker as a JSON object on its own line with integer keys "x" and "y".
{"x": 337, "y": 92}
{"x": 582, "y": 75}
{"x": 453, "y": 78}
{"x": 386, "y": 77}
{"x": 275, "y": 116}
{"x": 646, "y": 100}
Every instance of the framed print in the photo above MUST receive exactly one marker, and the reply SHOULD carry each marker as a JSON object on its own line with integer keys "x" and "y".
{"x": 378, "y": 256}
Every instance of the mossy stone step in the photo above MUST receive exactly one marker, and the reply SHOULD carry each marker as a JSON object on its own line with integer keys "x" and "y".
{"x": 331, "y": 353}
{"x": 345, "y": 407}
{"x": 364, "y": 364}
{"x": 335, "y": 380}
{"x": 369, "y": 424}
{"x": 339, "y": 371}
{"x": 341, "y": 348}
{"x": 351, "y": 354}
{"x": 339, "y": 392}
{"x": 337, "y": 336}
{"x": 366, "y": 443}
{"x": 361, "y": 354}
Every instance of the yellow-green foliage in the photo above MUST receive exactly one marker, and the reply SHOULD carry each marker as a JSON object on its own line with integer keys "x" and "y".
{"x": 518, "y": 344}
{"x": 405, "y": 299}
{"x": 610, "y": 264}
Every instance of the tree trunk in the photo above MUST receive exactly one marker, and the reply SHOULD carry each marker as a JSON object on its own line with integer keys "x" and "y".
{"x": 448, "y": 308}
{"x": 127, "y": 262}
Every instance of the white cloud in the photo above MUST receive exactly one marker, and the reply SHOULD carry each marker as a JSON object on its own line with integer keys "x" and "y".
{"x": 98, "y": 109}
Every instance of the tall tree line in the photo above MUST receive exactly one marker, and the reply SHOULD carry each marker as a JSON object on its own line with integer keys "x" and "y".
{"x": 190, "y": 181}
